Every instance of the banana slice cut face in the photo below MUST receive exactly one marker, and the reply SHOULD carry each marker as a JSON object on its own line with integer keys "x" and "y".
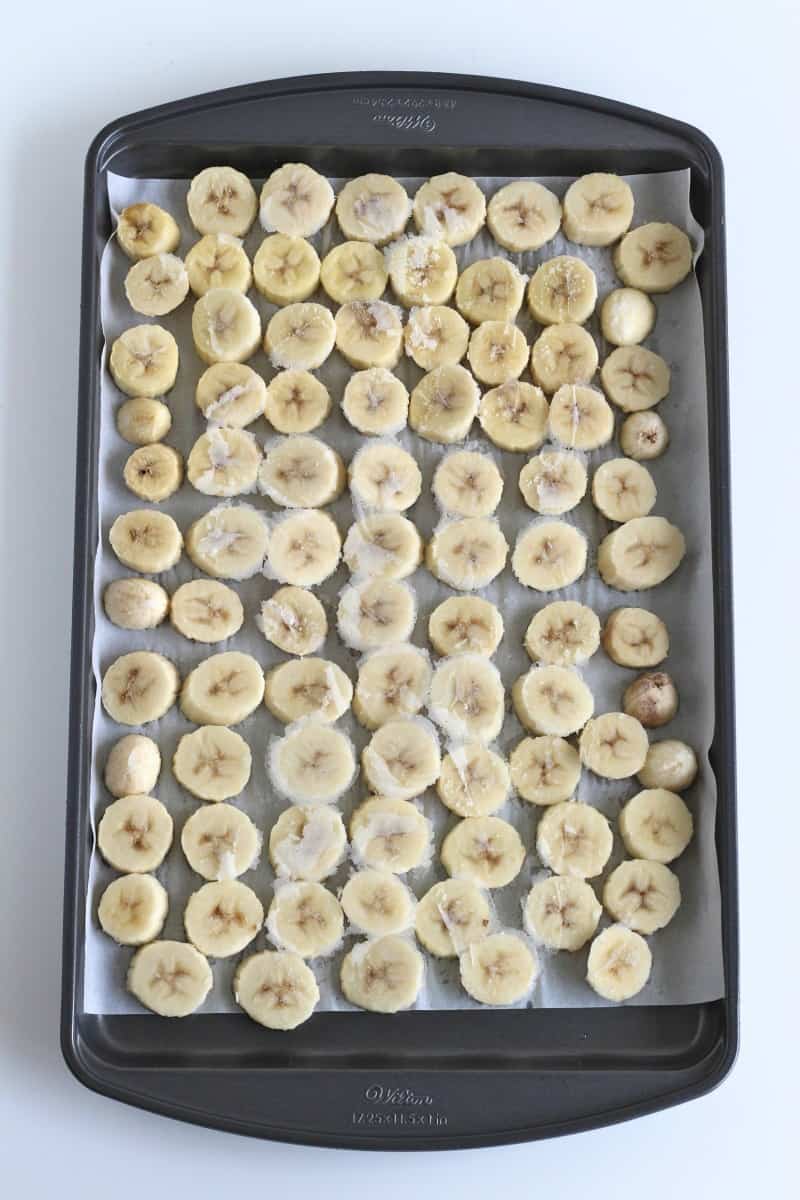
{"x": 153, "y": 473}
{"x": 142, "y": 421}
{"x": 436, "y": 336}
{"x": 552, "y": 700}
{"x": 635, "y": 378}
{"x": 383, "y": 974}
{"x": 642, "y": 895}
{"x": 369, "y": 333}
{"x": 377, "y": 903}
{"x": 669, "y": 764}
{"x": 487, "y": 851}
{"x": 451, "y": 916}
{"x": 306, "y": 918}
{"x": 656, "y": 824}
{"x": 375, "y": 402}
{"x": 301, "y": 472}
{"x": 300, "y": 337}
{"x": 276, "y": 989}
{"x": 373, "y": 208}
{"x": 627, "y": 317}
{"x": 545, "y": 770}
{"x": 563, "y": 354}
{"x": 229, "y": 542}
{"x": 133, "y": 909}
{"x": 135, "y": 603}
{"x": 451, "y": 207}
{"x": 307, "y": 843}
{"x": 221, "y": 200}
{"x": 393, "y": 682}
{"x": 562, "y": 289}
{"x": 643, "y": 435}
{"x": 379, "y": 612}
{"x": 467, "y": 698}
{"x": 491, "y": 289}
{"x": 640, "y": 554}
{"x": 444, "y": 404}
{"x": 213, "y": 763}
{"x": 497, "y": 352}
{"x": 623, "y": 489}
{"x": 514, "y": 416}
{"x": 295, "y": 200}
{"x": 614, "y": 746}
{"x": 307, "y": 687}
{"x": 223, "y": 689}
{"x": 562, "y": 912}
{"x": 422, "y": 270}
{"x": 146, "y": 540}
{"x": 523, "y": 215}
{"x": 474, "y": 782}
{"x": 619, "y": 963}
{"x": 145, "y": 229}
{"x": 354, "y": 271}
{"x": 500, "y": 969}
{"x": 134, "y": 834}
{"x": 230, "y": 394}
{"x": 133, "y": 766}
{"x": 296, "y": 402}
{"x": 313, "y": 763}
{"x": 634, "y": 637}
{"x": 155, "y": 286}
{"x": 465, "y": 624}
{"x": 294, "y": 620}
{"x": 206, "y": 611}
{"x": 144, "y": 361}
{"x": 226, "y": 326}
{"x": 389, "y": 835}
{"x": 139, "y": 687}
{"x": 654, "y": 257}
{"x": 218, "y": 261}
{"x": 383, "y": 545}
{"x": 219, "y": 841}
{"x": 467, "y": 483}
{"x": 580, "y": 418}
{"x": 224, "y": 462}
{"x": 574, "y": 839}
{"x": 286, "y": 270}
{"x": 563, "y": 634}
{"x": 402, "y": 758}
{"x": 304, "y": 548}
{"x": 553, "y": 482}
{"x": 549, "y": 555}
{"x": 467, "y": 554}
{"x": 385, "y": 477}
{"x": 598, "y": 209}
{"x": 172, "y": 979}
{"x": 222, "y": 918}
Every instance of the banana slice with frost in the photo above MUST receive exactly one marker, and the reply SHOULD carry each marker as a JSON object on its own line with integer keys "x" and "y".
{"x": 598, "y": 209}
{"x": 172, "y": 979}
{"x": 135, "y": 603}
{"x": 500, "y": 969}
{"x": 402, "y": 758}
{"x": 156, "y": 286}
{"x": 304, "y": 548}
{"x": 549, "y": 555}
{"x": 377, "y": 903}
{"x": 552, "y": 700}
{"x": 545, "y": 770}
{"x": 451, "y": 207}
{"x": 373, "y": 208}
{"x": 296, "y": 402}
{"x": 219, "y": 841}
{"x": 223, "y": 917}
{"x": 574, "y": 839}
{"x": 307, "y": 843}
{"x": 553, "y": 482}
{"x": 133, "y": 909}
{"x": 354, "y": 271}
{"x": 385, "y": 477}
{"x": 142, "y": 420}
{"x": 286, "y": 270}
{"x": 467, "y": 554}
{"x": 654, "y": 257}
{"x": 467, "y": 698}
{"x": 490, "y": 289}
{"x": 218, "y": 260}
{"x": 134, "y": 834}
{"x": 276, "y": 989}
{"x": 580, "y": 418}
{"x": 436, "y": 336}
{"x": 229, "y": 541}
{"x": 224, "y": 462}
{"x": 307, "y": 687}
{"x": 293, "y": 620}
{"x": 614, "y": 745}
{"x": 627, "y": 317}
{"x": 221, "y": 200}
{"x": 389, "y": 835}
{"x": 144, "y": 361}
{"x": 393, "y": 681}
{"x": 299, "y": 337}
{"x": 523, "y": 215}
{"x": 514, "y": 416}
{"x": 204, "y": 610}
{"x": 467, "y": 483}
{"x": 226, "y": 326}
{"x": 422, "y": 270}
{"x": 564, "y": 634}
{"x": 562, "y": 354}
{"x": 369, "y": 334}
{"x": 656, "y": 824}
{"x": 313, "y": 763}
{"x": 133, "y": 766}
{"x": 465, "y": 624}
{"x": 295, "y": 200}
{"x": 562, "y": 289}
{"x": 669, "y": 764}
{"x": 451, "y": 916}
{"x": 383, "y": 974}
{"x": 376, "y": 402}
{"x": 383, "y": 545}
{"x": 145, "y": 229}
{"x": 230, "y": 394}
{"x": 642, "y": 895}
{"x": 379, "y": 612}
{"x": 486, "y": 851}
{"x": 223, "y": 689}
{"x": 562, "y": 912}
{"x": 497, "y": 352}
{"x": 213, "y": 763}
{"x": 444, "y": 404}
{"x": 474, "y": 782}
{"x": 139, "y": 687}
{"x": 305, "y": 918}
{"x": 619, "y": 963}
{"x": 301, "y": 472}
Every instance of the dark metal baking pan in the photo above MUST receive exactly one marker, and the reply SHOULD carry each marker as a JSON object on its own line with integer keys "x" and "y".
{"x": 428, "y": 1080}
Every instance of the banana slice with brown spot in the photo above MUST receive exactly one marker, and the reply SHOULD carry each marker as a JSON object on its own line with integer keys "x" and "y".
{"x": 402, "y": 758}
{"x": 467, "y": 554}
{"x": 301, "y": 472}
{"x": 574, "y": 839}
{"x": 218, "y": 260}
{"x": 564, "y": 633}
{"x": 172, "y": 979}
{"x": 614, "y": 745}
{"x": 523, "y": 215}
{"x": 133, "y": 909}
{"x": 369, "y": 334}
{"x": 379, "y": 612}
{"x": 133, "y": 766}
{"x": 307, "y": 843}
{"x": 486, "y": 851}
{"x": 229, "y": 542}
{"x": 135, "y": 603}
{"x": 634, "y": 637}
{"x": 142, "y": 420}
{"x": 656, "y": 824}
{"x": 422, "y": 270}
{"x": 552, "y": 700}
{"x": 640, "y": 554}
{"x": 223, "y": 917}
{"x": 354, "y": 271}
{"x": 221, "y": 200}
{"x": 296, "y": 402}
{"x": 304, "y": 548}
{"x": 545, "y": 770}
{"x": 580, "y": 418}
{"x": 294, "y": 620}
{"x": 467, "y": 483}
{"x": 383, "y": 545}
{"x": 145, "y": 229}
{"x": 642, "y": 895}
{"x": 144, "y": 361}
{"x": 514, "y": 416}
{"x": 467, "y": 698}
{"x": 230, "y": 394}
{"x": 497, "y": 352}
{"x": 226, "y": 326}
{"x": 373, "y": 208}
{"x": 219, "y": 841}
{"x": 500, "y": 969}
{"x": 206, "y": 611}
{"x": 286, "y": 270}
{"x": 224, "y": 462}
{"x": 444, "y": 404}
{"x": 156, "y": 286}
{"x": 295, "y": 200}
{"x": 549, "y": 555}
{"x": 598, "y": 209}
{"x": 146, "y": 540}
{"x": 623, "y": 489}
{"x": 635, "y": 378}
{"x": 276, "y": 989}
{"x": 377, "y": 903}
{"x": 643, "y": 435}
{"x": 382, "y": 975}
{"x": 562, "y": 354}
{"x": 223, "y": 689}
{"x": 562, "y": 289}
{"x": 451, "y": 207}
{"x": 562, "y": 912}
{"x": 451, "y": 916}
{"x": 393, "y": 682}
{"x": 389, "y": 834}
{"x": 627, "y": 317}
{"x": 652, "y": 699}
{"x": 313, "y": 763}
{"x": 465, "y": 624}
{"x": 436, "y": 336}
{"x": 474, "y": 782}
{"x": 307, "y": 687}
{"x": 385, "y": 477}
{"x": 553, "y": 482}
{"x": 213, "y": 763}
{"x": 490, "y": 289}
{"x": 376, "y": 402}
{"x": 306, "y": 918}
{"x": 619, "y": 963}
{"x": 134, "y": 834}
{"x": 669, "y": 764}
{"x": 654, "y": 257}
{"x": 299, "y": 337}
{"x": 139, "y": 687}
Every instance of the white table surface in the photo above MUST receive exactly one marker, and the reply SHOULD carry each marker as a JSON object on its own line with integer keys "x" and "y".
{"x": 729, "y": 67}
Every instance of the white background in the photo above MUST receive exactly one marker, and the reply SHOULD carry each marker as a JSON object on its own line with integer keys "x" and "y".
{"x": 728, "y": 66}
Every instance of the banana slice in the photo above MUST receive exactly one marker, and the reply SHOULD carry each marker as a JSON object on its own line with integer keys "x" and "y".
{"x": 598, "y": 209}
{"x": 305, "y": 918}
{"x": 562, "y": 912}
{"x": 465, "y": 624}
{"x": 486, "y": 851}
{"x": 229, "y": 542}
{"x": 133, "y": 909}
{"x": 221, "y": 200}
{"x": 304, "y": 548}
{"x": 146, "y": 540}
{"x": 222, "y": 918}
{"x": 377, "y": 903}
{"x": 563, "y": 354}
{"x": 307, "y": 843}
{"x": 295, "y": 200}
{"x": 623, "y": 489}
{"x": 299, "y": 337}
{"x": 564, "y": 633}
{"x": 549, "y": 555}
{"x": 354, "y": 271}
{"x": 498, "y": 970}
{"x": 142, "y": 421}
{"x": 206, "y": 611}
{"x": 135, "y": 603}
{"x": 467, "y": 698}
{"x": 301, "y": 472}
{"x": 514, "y": 416}
{"x": 134, "y": 834}
{"x": 155, "y": 286}
{"x": 296, "y": 402}
{"x": 444, "y": 404}
{"x": 651, "y": 698}
{"x": 634, "y": 378}
{"x": 172, "y": 979}
{"x": 552, "y": 483}
{"x": 223, "y": 690}
{"x": 220, "y": 842}
{"x": 619, "y": 963}
{"x": 552, "y": 700}
{"x": 293, "y": 620}
{"x": 640, "y": 554}
{"x": 373, "y": 208}
{"x": 276, "y": 989}
{"x": 145, "y": 229}
{"x": 307, "y": 687}
{"x": 231, "y": 394}
{"x": 467, "y": 554}
{"x": 312, "y": 763}
{"x": 523, "y": 215}
{"x": 497, "y": 352}
{"x": 574, "y": 839}
{"x": 545, "y": 770}
{"x": 467, "y": 483}
{"x": 669, "y": 764}
{"x": 369, "y": 333}
{"x": 286, "y": 270}
{"x": 382, "y": 975}
{"x": 614, "y": 745}
{"x": 490, "y": 289}
{"x": 393, "y": 682}
{"x": 224, "y": 462}
{"x": 375, "y": 402}
{"x": 226, "y": 326}
{"x": 643, "y": 435}
{"x": 213, "y": 763}
{"x": 389, "y": 835}
{"x": 656, "y": 824}
{"x": 402, "y": 758}
{"x": 436, "y": 336}
{"x": 580, "y": 417}
{"x": 563, "y": 289}
{"x": 634, "y": 637}
{"x": 377, "y": 613}
{"x": 451, "y": 207}
{"x": 654, "y": 258}
{"x": 383, "y": 545}
{"x": 642, "y": 895}
{"x": 144, "y": 361}
{"x": 139, "y": 687}
{"x": 153, "y": 472}
{"x": 385, "y": 476}
{"x": 133, "y": 766}
{"x": 452, "y": 916}
{"x": 218, "y": 261}
{"x": 474, "y": 782}
{"x": 627, "y": 317}
{"x": 422, "y": 270}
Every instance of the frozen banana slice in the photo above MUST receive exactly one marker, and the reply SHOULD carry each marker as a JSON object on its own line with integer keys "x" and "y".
{"x": 305, "y": 918}
{"x": 301, "y": 472}
{"x": 295, "y": 200}
{"x": 643, "y": 435}
{"x": 467, "y": 483}
{"x": 224, "y": 462}
{"x": 154, "y": 472}
{"x": 393, "y": 682}
{"x": 230, "y": 394}
{"x": 229, "y": 542}
{"x": 549, "y": 555}
{"x": 307, "y": 687}
{"x": 614, "y": 745}
{"x": 654, "y": 258}
{"x": 133, "y": 766}
{"x": 465, "y": 624}
{"x": 383, "y": 974}
{"x": 451, "y": 916}
{"x": 299, "y": 338}
{"x": 656, "y": 824}
{"x": 497, "y": 352}
{"x": 223, "y": 917}
{"x": 436, "y": 336}
{"x": 377, "y": 903}
{"x": 385, "y": 476}
{"x": 652, "y": 699}
{"x": 135, "y": 603}
{"x": 669, "y": 764}
{"x": 490, "y": 290}
{"x": 564, "y": 634}
{"x": 563, "y": 289}
{"x": 467, "y": 554}
{"x": 354, "y": 271}
{"x": 139, "y": 687}
{"x": 223, "y": 690}
{"x": 634, "y": 378}
{"x": 619, "y": 963}
{"x": 563, "y": 354}
{"x": 640, "y": 554}
{"x": 293, "y": 620}
{"x": 221, "y": 200}
{"x": 226, "y": 326}
{"x": 514, "y": 416}
{"x": 390, "y": 835}
{"x": 383, "y": 545}
{"x": 206, "y": 611}
{"x": 379, "y": 612}
{"x": 486, "y": 851}
{"x": 580, "y": 418}
{"x": 373, "y": 208}
{"x": 304, "y": 548}
{"x": 213, "y": 763}
{"x": 276, "y": 989}
{"x": 422, "y": 270}
{"x": 146, "y": 540}
{"x": 642, "y": 895}
{"x": 553, "y": 482}
{"x": 627, "y": 317}
{"x": 444, "y": 404}
{"x": 598, "y": 209}
{"x": 172, "y": 979}
{"x": 562, "y": 912}
{"x": 144, "y": 361}
{"x": 552, "y": 700}
{"x": 545, "y": 770}
{"x": 402, "y": 758}
{"x": 218, "y": 261}
{"x": 307, "y": 843}
{"x": 155, "y": 286}
{"x": 145, "y": 229}
{"x": 523, "y": 215}
{"x": 500, "y": 969}
{"x": 574, "y": 839}
{"x": 143, "y": 420}
{"x": 296, "y": 402}
{"x": 369, "y": 333}
{"x": 623, "y": 489}
{"x": 133, "y": 909}
{"x": 313, "y": 763}
{"x": 134, "y": 834}
{"x": 451, "y": 207}
{"x": 467, "y": 698}
{"x": 376, "y": 402}
{"x": 474, "y": 782}
{"x": 286, "y": 270}
{"x": 220, "y": 842}
{"x": 634, "y": 637}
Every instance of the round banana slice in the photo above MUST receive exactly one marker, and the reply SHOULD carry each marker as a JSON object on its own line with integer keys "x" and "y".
{"x": 133, "y": 766}
{"x": 375, "y": 402}
{"x": 563, "y": 289}
{"x": 654, "y": 258}
{"x": 393, "y": 682}
{"x": 224, "y": 462}
{"x": 651, "y": 698}
{"x": 643, "y": 435}
{"x": 523, "y": 215}
{"x": 669, "y": 764}
{"x": 553, "y": 482}
{"x": 564, "y": 633}
{"x": 134, "y": 834}
{"x": 614, "y": 745}
{"x": 221, "y": 200}
{"x": 642, "y": 895}
{"x": 293, "y": 620}
{"x": 490, "y": 289}
{"x": 139, "y": 687}
{"x": 452, "y": 916}
{"x": 276, "y": 989}
{"x": 133, "y": 909}
{"x": 153, "y": 472}
{"x": 498, "y": 970}
{"x": 634, "y": 637}
{"x": 474, "y": 782}
{"x": 574, "y": 839}
{"x": 444, "y": 404}
{"x": 223, "y": 690}
{"x": 172, "y": 979}
{"x": 640, "y": 554}
{"x": 436, "y": 336}
{"x": 619, "y": 963}
{"x": 382, "y": 975}
{"x": 385, "y": 476}
{"x": 369, "y": 333}
{"x": 373, "y": 208}
{"x": 467, "y": 483}
{"x": 145, "y": 229}
{"x": 497, "y": 352}
{"x": 230, "y": 394}
{"x": 465, "y": 624}
{"x": 627, "y": 317}
{"x": 299, "y": 338}
{"x": 220, "y": 842}
{"x": 656, "y": 824}
{"x": 377, "y": 613}
{"x": 580, "y": 418}
{"x": 229, "y": 542}
{"x": 545, "y": 770}
{"x": 377, "y": 903}
{"x": 304, "y": 548}
{"x": 313, "y": 763}
{"x": 598, "y": 209}
{"x": 301, "y": 472}
{"x": 135, "y": 603}
{"x": 562, "y": 912}
{"x": 634, "y": 378}
{"x": 486, "y": 851}
{"x": 286, "y": 270}
{"x": 206, "y": 611}
{"x": 295, "y": 200}
{"x": 383, "y": 545}
{"x": 146, "y": 540}
{"x": 213, "y": 763}
{"x": 389, "y": 835}
{"x": 402, "y": 758}
{"x": 451, "y": 207}
{"x": 155, "y": 286}
{"x": 226, "y": 326}
{"x": 563, "y": 354}
{"x": 307, "y": 687}
{"x": 552, "y": 700}
{"x": 354, "y": 271}
{"x": 144, "y": 361}
{"x": 467, "y": 554}
{"x": 514, "y": 416}
{"x": 218, "y": 261}
{"x": 422, "y": 270}
{"x": 305, "y": 918}
{"x": 296, "y": 402}
{"x": 307, "y": 843}
{"x": 222, "y": 918}
{"x": 623, "y": 489}
{"x": 142, "y": 421}
{"x": 549, "y": 555}
{"x": 467, "y": 698}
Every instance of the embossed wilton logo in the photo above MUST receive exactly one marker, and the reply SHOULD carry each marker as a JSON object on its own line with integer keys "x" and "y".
{"x": 376, "y": 1093}
{"x": 424, "y": 122}
{"x": 397, "y": 1108}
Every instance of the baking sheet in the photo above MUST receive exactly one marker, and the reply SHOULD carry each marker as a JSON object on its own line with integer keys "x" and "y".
{"x": 687, "y": 955}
